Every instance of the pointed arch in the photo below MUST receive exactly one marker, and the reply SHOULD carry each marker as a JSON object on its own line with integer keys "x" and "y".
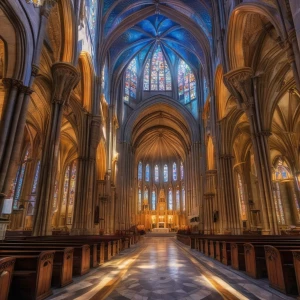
{"x": 101, "y": 160}
{"x": 87, "y": 80}
{"x": 157, "y": 75}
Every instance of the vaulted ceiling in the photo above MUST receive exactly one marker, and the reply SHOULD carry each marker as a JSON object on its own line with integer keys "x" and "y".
{"x": 133, "y": 28}
{"x": 160, "y": 134}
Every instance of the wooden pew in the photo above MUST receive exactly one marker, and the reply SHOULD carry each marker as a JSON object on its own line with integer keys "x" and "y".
{"x": 281, "y": 271}
{"x": 255, "y": 260}
{"x": 32, "y": 276}
{"x": 62, "y": 263}
{"x": 6, "y": 273}
{"x": 81, "y": 254}
{"x": 237, "y": 256}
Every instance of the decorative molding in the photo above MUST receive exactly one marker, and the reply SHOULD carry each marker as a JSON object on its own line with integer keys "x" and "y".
{"x": 65, "y": 78}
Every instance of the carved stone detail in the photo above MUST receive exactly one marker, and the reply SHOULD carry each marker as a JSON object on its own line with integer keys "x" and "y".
{"x": 65, "y": 78}
{"x": 239, "y": 84}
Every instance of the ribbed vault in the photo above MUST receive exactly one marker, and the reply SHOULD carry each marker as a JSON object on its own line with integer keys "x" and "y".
{"x": 160, "y": 134}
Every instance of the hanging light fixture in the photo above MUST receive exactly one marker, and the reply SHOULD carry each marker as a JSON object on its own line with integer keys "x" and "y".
{"x": 39, "y": 3}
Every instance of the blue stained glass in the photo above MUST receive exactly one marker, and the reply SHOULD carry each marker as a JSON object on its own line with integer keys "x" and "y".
{"x": 156, "y": 175}
{"x": 92, "y": 7}
{"x": 177, "y": 200}
{"x": 166, "y": 177}
{"x": 147, "y": 173}
{"x": 131, "y": 81}
{"x": 153, "y": 200}
{"x": 186, "y": 82}
{"x": 157, "y": 75}
{"x": 181, "y": 171}
{"x": 170, "y": 199}
{"x": 174, "y": 171}
{"x": 140, "y": 171}
{"x": 36, "y": 177}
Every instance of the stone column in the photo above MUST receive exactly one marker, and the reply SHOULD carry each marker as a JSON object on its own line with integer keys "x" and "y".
{"x": 11, "y": 131}
{"x": 230, "y": 205}
{"x": 242, "y": 84}
{"x": 85, "y": 197}
{"x": 65, "y": 78}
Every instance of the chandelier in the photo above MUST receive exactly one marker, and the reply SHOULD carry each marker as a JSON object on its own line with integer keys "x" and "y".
{"x": 38, "y": 3}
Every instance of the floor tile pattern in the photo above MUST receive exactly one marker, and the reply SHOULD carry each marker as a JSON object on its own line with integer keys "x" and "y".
{"x": 163, "y": 268}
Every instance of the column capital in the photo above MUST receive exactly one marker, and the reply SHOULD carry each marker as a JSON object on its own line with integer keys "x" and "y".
{"x": 239, "y": 83}
{"x": 65, "y": 78}
{"x": 11, "y": 82}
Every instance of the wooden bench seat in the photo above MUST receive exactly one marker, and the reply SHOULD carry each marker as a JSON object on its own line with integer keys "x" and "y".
{"x": 280, "y": 267}
{"x": 81, "y": 254}
{"x": 6, "y": 274}
{"x": 62, "y": 263}
{"x": 32, "y": 276}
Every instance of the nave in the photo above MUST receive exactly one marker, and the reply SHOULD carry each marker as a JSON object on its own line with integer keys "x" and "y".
{"x": 163, "y": 268}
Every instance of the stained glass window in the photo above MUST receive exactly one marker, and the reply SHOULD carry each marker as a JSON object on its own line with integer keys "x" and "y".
{"x": 73, "y": 183}
{"x": 183, "y": 198}
{"x": 140, "y": 200}
{"x": 181, "y": 171}
{"x": 157, "y": 75}
{"x": 177, "y": 199}
{"x": 156, "y": 175}
{"x": 186, "y": 83}
{"x": 36, "y": 177}
{"x": 281, "y": 171}
{"x": 92, "y": 6}
{"x": 166, "y": 177}
{"x": 241, "y": 196}
{"x": 170, "y": 199}
{"x": 20, "y": 179}
{"x": 140, "y": 170}
{"x": 55, "y": 195}
{"x": 147, "y": 173}
{"x": 153, "y": 200}
{"x": 278, "y": 203}
{"x": 66, "y": 185}
{"x": 174, "y": 171}
{"x": 146, "y": 196}
{"x": 131, "y": 80}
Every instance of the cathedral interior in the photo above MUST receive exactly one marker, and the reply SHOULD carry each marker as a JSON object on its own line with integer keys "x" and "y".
{"x": 165, "y": 129}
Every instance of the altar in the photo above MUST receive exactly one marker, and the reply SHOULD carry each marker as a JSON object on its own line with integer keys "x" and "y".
{"x": 161, "y": 230}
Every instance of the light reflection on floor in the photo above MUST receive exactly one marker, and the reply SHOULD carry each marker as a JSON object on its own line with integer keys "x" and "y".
{"x": 163, "y": 268}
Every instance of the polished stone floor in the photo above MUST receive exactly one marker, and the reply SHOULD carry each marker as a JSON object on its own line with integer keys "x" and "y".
{"x": 162, "y": 268}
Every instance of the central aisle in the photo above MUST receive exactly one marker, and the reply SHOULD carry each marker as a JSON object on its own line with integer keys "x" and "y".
{"x": 163, "y": 271}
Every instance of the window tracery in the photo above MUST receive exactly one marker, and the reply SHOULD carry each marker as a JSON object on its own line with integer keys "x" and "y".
{"x": 131, "y": 81}
{"x": 170, "y": 199}
{"x": 157, "y": 75}
{"x": 147, "y": 173}
{"x": 241, "y": 196}
{"x": 174, "y": 171}
{"x": 153, "y": 199}
{"x": 140, "y": 171}
{"x": 156, "y": 174}
{"x": 18, "y": 182}
{"x": 166, "y": 177}
{"x": 186, "y": 82}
